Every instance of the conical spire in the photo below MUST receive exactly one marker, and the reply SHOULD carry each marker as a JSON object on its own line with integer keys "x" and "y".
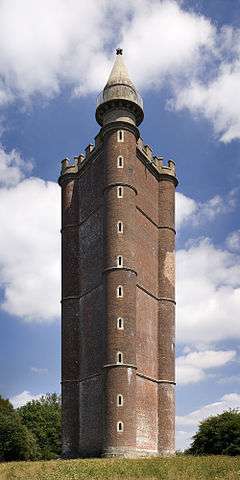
{"x": 119, "y": 93}
{"x": 119, "y": 74}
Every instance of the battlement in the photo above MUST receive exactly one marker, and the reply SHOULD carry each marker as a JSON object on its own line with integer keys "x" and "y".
{"x": 79, "y": 160}
{"x": 156, "y": 161}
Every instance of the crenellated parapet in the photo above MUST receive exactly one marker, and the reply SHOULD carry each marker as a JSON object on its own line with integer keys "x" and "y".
{"x": 155, "y": 163}
{"x": 74, "y": 167}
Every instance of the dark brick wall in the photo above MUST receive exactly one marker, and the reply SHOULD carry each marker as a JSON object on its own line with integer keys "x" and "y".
{"x": 91, "y": 243}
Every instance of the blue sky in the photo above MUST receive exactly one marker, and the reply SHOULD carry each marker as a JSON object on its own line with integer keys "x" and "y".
{"x": 185, "y": 59}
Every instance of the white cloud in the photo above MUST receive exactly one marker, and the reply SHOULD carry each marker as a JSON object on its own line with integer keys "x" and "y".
{"x": 30, "y": 249}
{"x": 23, "y": 398}
{"x": 233, "y": 241}
{"x": 163, "y": 39}
{"x": 54, "y": 46}
{"x": 196, "y": 213}
{"x": 12, "y": 167}
{"x": 216, "y": 100}
{"x": 233, "y": 379}
{"x": 191, "y": 368}
{"x": 39, "y": 371}
{"x": 208, "y": 294}
{"x": 185, "y": 209}
{"x": 228, "y": 401}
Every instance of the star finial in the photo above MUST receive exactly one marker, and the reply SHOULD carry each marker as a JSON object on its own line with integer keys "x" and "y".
{"x": 119, "y": 51}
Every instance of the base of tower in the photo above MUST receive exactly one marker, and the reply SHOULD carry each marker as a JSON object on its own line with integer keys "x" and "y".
{"x": 125, "y": 452}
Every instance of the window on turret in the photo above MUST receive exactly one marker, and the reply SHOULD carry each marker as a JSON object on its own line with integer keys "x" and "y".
{"x": 120, "y": 427}
{"x": 120, "y": 136}
{"x": 119, "y": 358}
{"x": 119, "y": 261}
{"x": 120, "y": 227}
{"x": 119, "y": 400}
{"x": 120, "y": 162}
{"x": 120, "y": 291}
{"x": 120, "y": 323}
{"x": 120, "y": 192}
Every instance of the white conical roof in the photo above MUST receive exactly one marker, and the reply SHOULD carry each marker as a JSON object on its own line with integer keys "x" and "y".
{"x": 119, "y": 89}
{"x": 119, "y": 74}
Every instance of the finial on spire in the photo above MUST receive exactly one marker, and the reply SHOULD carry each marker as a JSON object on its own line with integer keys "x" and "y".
{"x": 119, "y": 51}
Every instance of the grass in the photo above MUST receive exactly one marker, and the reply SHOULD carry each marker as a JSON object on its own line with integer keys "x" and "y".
{"x": 175, "y": 468}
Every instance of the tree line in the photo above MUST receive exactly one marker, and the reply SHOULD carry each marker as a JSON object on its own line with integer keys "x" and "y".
{"x": 33, "y": 431}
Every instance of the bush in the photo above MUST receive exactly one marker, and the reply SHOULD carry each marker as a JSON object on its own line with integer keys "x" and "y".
{"x": 43, "y": 418}
{"x": 218, "y": 435}
{"x": 16, "y": 441}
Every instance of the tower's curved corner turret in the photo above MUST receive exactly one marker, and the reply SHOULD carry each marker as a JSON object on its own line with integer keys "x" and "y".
{"x": 119, "y": 99}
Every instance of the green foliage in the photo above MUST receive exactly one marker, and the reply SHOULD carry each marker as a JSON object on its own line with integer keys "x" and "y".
{"x": 43, "y": 418}
{"x": 16, "y": 441}
{"x": 218, "y": 435}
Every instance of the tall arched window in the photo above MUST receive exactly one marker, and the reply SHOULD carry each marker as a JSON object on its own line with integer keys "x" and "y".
{"x": 119, "y": 192}
{"x": 120, "y": 135}
{"x": 120, "y": 323}
{"x": 119, "y": 261}
{"x": 120, "y": 291}
{"x": 119, "y": 400}
{"x": 120, "y": 161}
{"x": 119, "y": 358}
{"x": 120, "y": 227}
{"x": 120, "y": 426}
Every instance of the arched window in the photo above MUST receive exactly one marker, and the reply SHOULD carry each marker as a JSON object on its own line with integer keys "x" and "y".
{"x": 120, "y": 291}
{"x": 120, "y": 136}
{"x": 119, "y": 261}
{"x": 119, "y": 400}
{"x": 119, "y": 192}
{"x": 120, "y": 426}
{"x": 120, "y": 227}
{"x": 120, "y": 323}
{"x": 119, "y": 358}
{"x": 120, "y": 161}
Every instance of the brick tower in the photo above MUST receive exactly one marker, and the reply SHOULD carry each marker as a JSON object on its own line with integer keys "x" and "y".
{"x": 118, "y": 281}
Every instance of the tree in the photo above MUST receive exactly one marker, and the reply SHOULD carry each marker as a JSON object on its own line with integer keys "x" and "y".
{"x": 43, "y": 418}
{"x": 16, "y": 441}
{"x": 218, "y": 435}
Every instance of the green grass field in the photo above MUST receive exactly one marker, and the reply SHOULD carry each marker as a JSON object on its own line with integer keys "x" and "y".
{"x": 176, "y": 468}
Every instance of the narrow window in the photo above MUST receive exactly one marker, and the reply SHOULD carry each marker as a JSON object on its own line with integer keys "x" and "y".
{"x": 120, "y": 136}
{"x": 120, "y": 161}
{"x": 119, "y": 400}
{"x": 120, "y": 261}
{"x": 119, "y": 426}
{"x": 119, "y": 358}
{"x": 120, "y": 192}
{"x": 120, "y": 227}
{"x": 120, "y": 291}
{"x": 120, "y": 323}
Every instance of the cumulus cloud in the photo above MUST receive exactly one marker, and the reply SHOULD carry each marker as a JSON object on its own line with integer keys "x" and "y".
{"x": 168, "y": 39}
{"x": 233, "y": 241}
{"x": 12, "y": 167}
{"x": 196, "y": 213}
{"x": 230, "y": 400}
{"x": 216, "y": 100}
{"x": 208, "y": 294}
{"x": 29, "y": 243}
{"x": 24, "y": 397}
{"x": 175, "y": 45}
{"x": 185, "y": 209}
{"x": 191, "y": 368}
{"x": 187, "y": 424}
